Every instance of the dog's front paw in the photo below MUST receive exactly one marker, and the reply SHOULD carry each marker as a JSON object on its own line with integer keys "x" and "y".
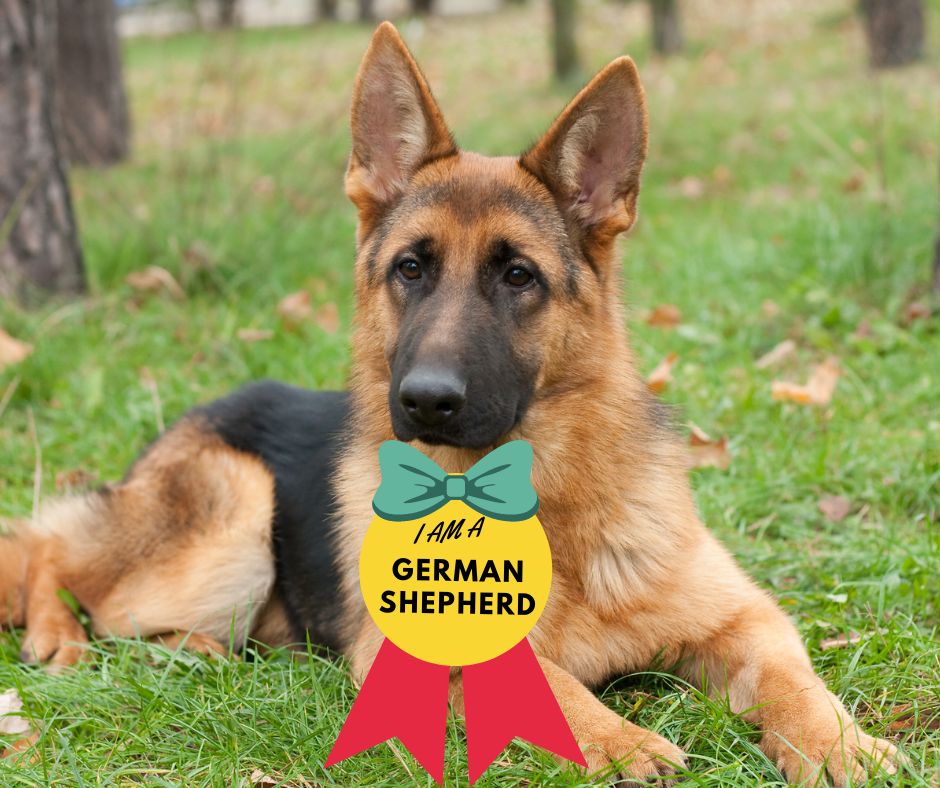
{"x": 60, "y": 641}
{"x": 632, "y": 754}
{"x": 838, "y": 748}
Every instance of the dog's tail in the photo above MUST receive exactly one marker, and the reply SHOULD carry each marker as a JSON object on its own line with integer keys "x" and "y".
{"x": 14, "y": 562}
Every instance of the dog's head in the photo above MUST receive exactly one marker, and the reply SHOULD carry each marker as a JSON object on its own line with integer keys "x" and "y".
{"x": 484, "y": 284}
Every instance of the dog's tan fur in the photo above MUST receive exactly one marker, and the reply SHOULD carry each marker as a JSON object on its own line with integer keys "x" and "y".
{"x": 637, "y": 577}
{"x": 182, "y": 544}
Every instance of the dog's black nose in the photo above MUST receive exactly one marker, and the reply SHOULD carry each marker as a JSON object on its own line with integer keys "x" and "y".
{"x": 432, "y": 395}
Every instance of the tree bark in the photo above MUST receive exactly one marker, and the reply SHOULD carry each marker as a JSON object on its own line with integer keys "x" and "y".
{"x": 667, "y": 28}
{"x": 366, "y": 10}
{"x": 936, "y": 262}
{"x": 228, "y": 14}
{"x": 895, "y": 31}
{"x": 92, "y": 103}
{"x": 564, "y": 42}
{"x": 38, "y": 238}
{"x": 326, "y": 10}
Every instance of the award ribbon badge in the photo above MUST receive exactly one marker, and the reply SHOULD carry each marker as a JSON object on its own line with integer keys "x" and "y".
{"x": 462, "y": 588}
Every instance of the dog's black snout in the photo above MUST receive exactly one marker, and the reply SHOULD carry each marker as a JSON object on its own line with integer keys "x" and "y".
{"x": 432, "y": 395}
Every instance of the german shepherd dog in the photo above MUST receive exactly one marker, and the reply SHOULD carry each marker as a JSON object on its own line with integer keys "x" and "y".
{"x": 488, "y": 303}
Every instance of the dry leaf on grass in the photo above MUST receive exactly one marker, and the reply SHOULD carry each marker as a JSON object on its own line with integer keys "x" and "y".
{"x": 259, "y": 779}
{"x": 916, "y": 310}
{"x": 12, "y": 724}
{"x": 704, "y": 452}
{"x": 906, "y": 718}
{"x": 840, "y": 641}
{"x": 818, "y": 389}
{"x": 853, "y": 183}
{"x": 254, "y": 334}
{"x": 295, "y": 309}
{"x": 770, "y": 308}
{"x": 692, "y": 188}
{"x": 328, "y": 318}
{"x": 776, "y": 354}
{"x": 835, "y": 507}
{"x": 12, "y": 351}
{"x": 154, "y": 279}
{"x": 662, "y": 374}
{"x": 664, "y": 316}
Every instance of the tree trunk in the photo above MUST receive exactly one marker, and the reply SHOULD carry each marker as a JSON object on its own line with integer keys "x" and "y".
{"x": 92, "y": 104}
{"x": 38, "y": 239}
{"x": 228, "y": 14}
{"x": 895, "y": 30}
{"x": 564, "y": 43}
{"x": 422, "y": 7}
{"x": 326, "y": 10}
{"x": 667, "y": 30}
{"x": 366, "y": 10}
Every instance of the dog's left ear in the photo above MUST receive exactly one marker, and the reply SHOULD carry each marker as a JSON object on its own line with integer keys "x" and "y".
{"x": 396, "y": 125}
{"x": 592, "y": 155}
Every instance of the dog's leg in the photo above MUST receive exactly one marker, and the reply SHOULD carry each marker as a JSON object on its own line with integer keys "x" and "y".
{"x": 14, "y": 560}
{"x": 759, "y": 662}
{"x": 751, "y": 652}
{"x": 53, "y": 633}
{"x": 196, "y": 642}
{"x": 605, "y": 737}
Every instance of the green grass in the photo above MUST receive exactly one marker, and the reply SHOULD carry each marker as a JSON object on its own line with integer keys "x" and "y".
{"x": 819, "y": 184}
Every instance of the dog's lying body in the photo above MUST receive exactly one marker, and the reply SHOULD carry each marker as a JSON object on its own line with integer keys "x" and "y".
{"x": 488, "y": 308}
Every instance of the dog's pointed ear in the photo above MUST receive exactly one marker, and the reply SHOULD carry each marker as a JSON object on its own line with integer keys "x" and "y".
{"x": 396, "y": 124}
{"x": 592, "y": 155}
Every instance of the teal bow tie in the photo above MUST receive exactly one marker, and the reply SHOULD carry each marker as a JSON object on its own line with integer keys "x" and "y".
{"x": 413, "y": 485}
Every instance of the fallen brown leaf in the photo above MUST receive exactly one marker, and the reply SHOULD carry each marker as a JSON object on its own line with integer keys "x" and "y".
{"x": 12, "y": 724}
{"x": 662, "y": 373}
{"x": 916, "y": 310}
{"x": 853, "y": 183}
{"x": 770, "y": 308}
{"x": 907, "y": 718}
{"x": 295, "y": 309}
{"x": 862, "y": 330}
{"x": 704, "y": 452}
{"x": 839, "y": 641}
{"x": 198, "y": 256}
{"x": 328, "y": 318}
{"x": 722, "y": 175}
{"x": 818, "y": 389}
{"x": 776, "y": 354}
{"x": 154, "y": 279}
{"x": 264, "y": 186}
{"x": 254, "y": 334}
{"x": 664, "y": 316}
{"x": 259, "y": 779}
{"x": 12, "y": 351}
{"x": 692, "y": 188}
{"x": 835, "y": 507}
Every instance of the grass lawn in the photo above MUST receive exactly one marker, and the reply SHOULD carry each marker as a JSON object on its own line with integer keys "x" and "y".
{"x": 790, "y": 193}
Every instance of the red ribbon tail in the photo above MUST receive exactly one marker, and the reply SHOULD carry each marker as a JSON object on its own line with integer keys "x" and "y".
{"x": 507, "y": 697}
{"x": 402, "y": 696}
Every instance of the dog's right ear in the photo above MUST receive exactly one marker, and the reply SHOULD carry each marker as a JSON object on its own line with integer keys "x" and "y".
{"x": 396, "y": 125}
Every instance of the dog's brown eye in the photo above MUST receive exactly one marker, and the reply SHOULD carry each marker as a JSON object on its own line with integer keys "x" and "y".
{"x": 517, "y": 276}
{"x": 410, "y": 268}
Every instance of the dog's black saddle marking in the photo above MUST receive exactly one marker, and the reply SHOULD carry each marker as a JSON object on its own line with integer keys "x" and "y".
{"x": 297, "y": 434}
